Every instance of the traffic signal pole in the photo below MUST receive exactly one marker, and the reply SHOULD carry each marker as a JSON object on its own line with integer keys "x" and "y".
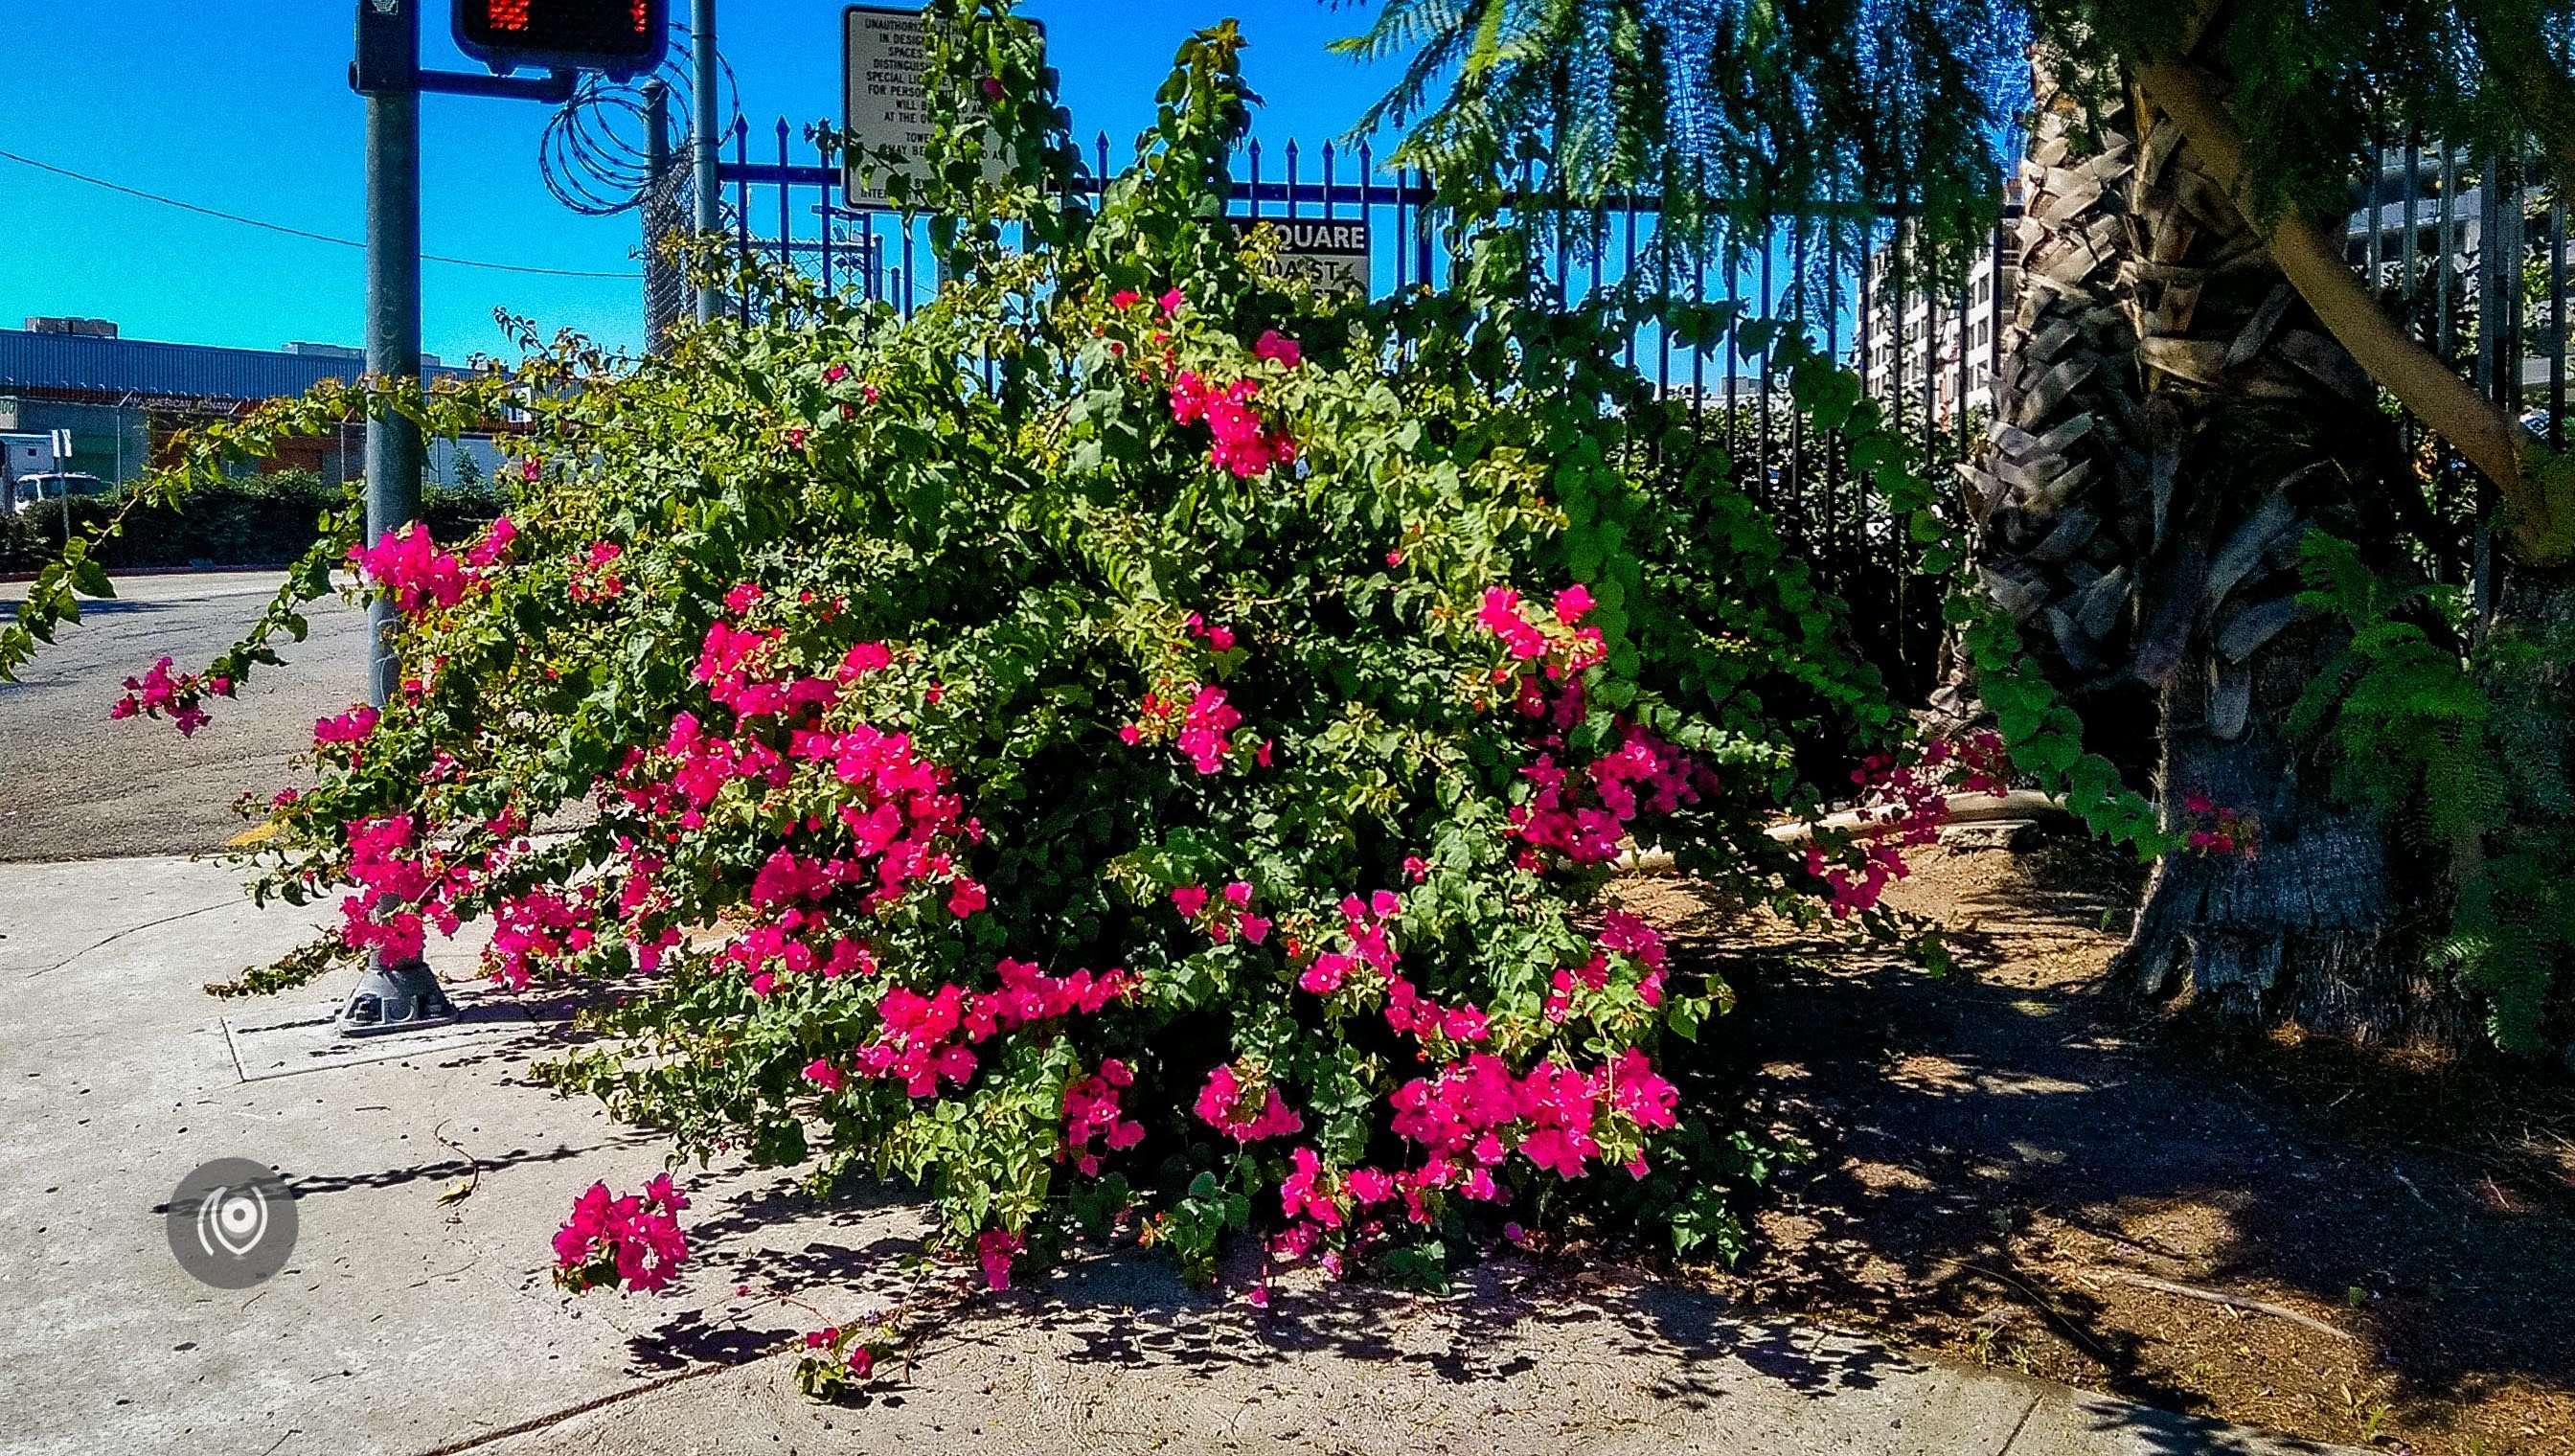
{"x": 400, "y": 996}
{"x": 394, "y": 996}
{"x": 393, "y": 449}
{"x": 708, "y": 145}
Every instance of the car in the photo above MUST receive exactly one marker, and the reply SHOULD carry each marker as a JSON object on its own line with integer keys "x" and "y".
{"x": 27, "y": 490}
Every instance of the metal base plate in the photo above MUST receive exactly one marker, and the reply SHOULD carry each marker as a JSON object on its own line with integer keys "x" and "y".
{"x": 396, "y": 998}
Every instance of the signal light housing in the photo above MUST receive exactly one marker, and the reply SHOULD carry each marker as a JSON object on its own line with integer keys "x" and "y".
{"x": 622, "y": 38}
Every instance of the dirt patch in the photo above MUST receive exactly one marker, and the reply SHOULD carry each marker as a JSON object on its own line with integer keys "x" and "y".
{"x": 2010, "y": 1167}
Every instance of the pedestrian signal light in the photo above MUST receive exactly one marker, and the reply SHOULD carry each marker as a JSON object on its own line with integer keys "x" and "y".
{"x": 620, "y": 37}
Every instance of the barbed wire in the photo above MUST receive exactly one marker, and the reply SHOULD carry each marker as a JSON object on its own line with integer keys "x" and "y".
{"x": 596, "y": 152}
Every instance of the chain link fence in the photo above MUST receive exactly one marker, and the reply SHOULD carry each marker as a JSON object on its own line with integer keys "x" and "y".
{"x": 668, "y": 209}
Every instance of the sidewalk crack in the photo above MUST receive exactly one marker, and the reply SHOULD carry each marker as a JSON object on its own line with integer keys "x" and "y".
{"x": 128, "y": 930}
{"x": 2019, "y": 1426}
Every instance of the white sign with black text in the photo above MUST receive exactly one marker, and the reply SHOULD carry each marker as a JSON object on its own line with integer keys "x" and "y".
{"x": 885, "y": 80}
{"x": 1329, "y": 253}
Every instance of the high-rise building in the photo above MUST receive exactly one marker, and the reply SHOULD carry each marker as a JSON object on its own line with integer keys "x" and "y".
{"x": 1937, "y": 353}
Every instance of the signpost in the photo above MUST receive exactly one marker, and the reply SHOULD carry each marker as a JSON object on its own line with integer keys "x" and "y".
{"x": 884, "y": 66}
{"x": 885, "y": 94}
{"x": 61, "y": 440}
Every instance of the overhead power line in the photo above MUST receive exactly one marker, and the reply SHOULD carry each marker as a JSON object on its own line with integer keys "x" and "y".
{"x": 307, "y": 234}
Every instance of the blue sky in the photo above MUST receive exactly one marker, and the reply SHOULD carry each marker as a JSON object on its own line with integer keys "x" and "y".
{"x": 246, "y": 107}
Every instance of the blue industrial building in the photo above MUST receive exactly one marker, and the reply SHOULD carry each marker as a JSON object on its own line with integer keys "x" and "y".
{"x": 121, "y": 398}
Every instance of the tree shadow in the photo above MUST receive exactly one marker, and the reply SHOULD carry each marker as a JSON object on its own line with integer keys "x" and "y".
{"x": 2001, "y": 1144}
{"x": 2019, "y": 1137}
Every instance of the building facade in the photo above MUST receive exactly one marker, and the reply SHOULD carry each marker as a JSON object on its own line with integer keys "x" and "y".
{"x": 122, "y": 399}
{"x": 1936, "y": 353}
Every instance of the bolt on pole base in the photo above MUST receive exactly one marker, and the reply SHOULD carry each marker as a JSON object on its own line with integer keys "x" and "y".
{"x": 399, "y": 997}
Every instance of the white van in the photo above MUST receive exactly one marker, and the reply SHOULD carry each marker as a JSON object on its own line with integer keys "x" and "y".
{"x": 23, "y": 455}
{"x": 27, "y": 490}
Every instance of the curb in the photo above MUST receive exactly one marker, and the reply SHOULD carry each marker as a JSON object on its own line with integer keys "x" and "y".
{"x": 250, "y": 568}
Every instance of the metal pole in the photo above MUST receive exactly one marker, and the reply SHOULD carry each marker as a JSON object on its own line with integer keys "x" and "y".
{"x": 392, "y": 996}
{"x": 393, "y": 344}
{"x": 701, "y": 24}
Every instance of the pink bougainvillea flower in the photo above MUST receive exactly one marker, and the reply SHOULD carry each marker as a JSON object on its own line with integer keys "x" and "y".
{"x": 1125, "y": 298}
{"x": 1205, "y": 730}
{"x": 486, "y": 553}
{"x": 1217, "y": 639}
{"x": 866, "y": 658}
{"x": 994, "y": 1249}
{"x": 634, "y": 1241}
{"x": 1171, "y": 300}
{"x": 1302, "y": 1193}
{"x": 347, "y": 727}
{"x": 1245, "y": 1112}
{"x": 1501, "y": 616}
{"x": 1571, "y": 603}
{"x": 1243, "y": 444}
{"x": 1326, "y": 975}
{"x": 1278, "y": 349}
{"x": 408, "y": 567}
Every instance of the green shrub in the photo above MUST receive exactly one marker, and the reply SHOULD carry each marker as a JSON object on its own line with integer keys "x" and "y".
{"x": 1137, "y": 738}
{"x": 244, "y": 521}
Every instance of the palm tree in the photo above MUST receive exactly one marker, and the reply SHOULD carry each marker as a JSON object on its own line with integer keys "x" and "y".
{"x": 2175, "y": 421}
{"x": 2197, "y": 375}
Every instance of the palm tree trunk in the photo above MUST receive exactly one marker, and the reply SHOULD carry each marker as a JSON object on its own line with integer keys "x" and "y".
{"x": 2174, "y": 421}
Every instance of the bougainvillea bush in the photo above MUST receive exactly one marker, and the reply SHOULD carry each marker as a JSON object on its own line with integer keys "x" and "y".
{"x": 1134, "y": 744}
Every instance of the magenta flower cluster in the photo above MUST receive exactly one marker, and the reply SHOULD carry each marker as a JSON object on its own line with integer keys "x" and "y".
{"x": 1092, "y": 1113}
{"x": 181, "y": 698}
{"x": 407, "y": 566}
{"x": 1904, "y": 806}
{"x": 634, "y": 1241}
{"x": 1241, "y": 443}
{"x": 1246, "y": 1111}
{"x": 927, "y": 1040}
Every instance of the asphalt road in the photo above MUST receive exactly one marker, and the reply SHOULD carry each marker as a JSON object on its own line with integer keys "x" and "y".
{"x": 76, "y": 786}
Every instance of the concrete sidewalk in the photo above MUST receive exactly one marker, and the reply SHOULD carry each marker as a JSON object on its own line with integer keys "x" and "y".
{"x": 408, "y": 1325}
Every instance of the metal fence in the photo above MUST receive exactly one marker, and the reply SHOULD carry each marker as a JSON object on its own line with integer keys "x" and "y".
{"x": 2473, "y": 255}
{"x": 2439, "y": 237}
